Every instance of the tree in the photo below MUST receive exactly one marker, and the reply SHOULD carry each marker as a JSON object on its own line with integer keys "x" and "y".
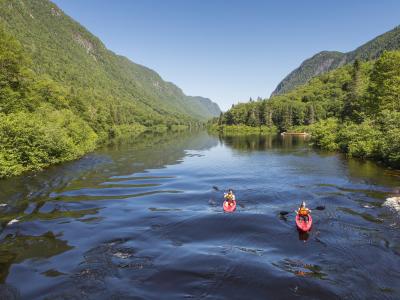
{"x": 221, "y": 118}
{"x": 252, "y": 118}
{"x": 268, "y": 112}
{"x": 352, "y": 108}
{"x": 228, "y": 118}
{"x": 310, "y": 114}
{"x": 287, "y": 120}
{"x": 385, "y": 83}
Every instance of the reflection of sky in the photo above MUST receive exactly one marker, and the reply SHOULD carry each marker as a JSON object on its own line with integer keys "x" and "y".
{"x": 162, "y": 199}
{"x": 239, "y": 160}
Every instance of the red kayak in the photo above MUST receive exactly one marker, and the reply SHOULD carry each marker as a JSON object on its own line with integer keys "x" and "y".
{"x": 229, "y": 207}
{"x": 302, "y": 225}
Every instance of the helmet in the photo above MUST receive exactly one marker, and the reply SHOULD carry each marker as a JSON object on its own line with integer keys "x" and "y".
{"x": 230, "y": 191}
{"x": 303, "y": 204}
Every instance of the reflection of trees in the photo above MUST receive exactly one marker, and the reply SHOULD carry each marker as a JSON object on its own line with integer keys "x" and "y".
{"x": 123, "y": 157}
{"x": 262, "y": 142}
{"x": 147, "y": 151}
{"x": 54, "y": 214}
{"x": 17, "y": 248}
{"x": 370, "y": 172}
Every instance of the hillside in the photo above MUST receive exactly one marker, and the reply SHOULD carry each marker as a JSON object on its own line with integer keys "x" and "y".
{"x": 69, "y": 54}
{"x": 204, "y": 106}
{"x": 62, "y": 93}
{"x": 354, "y": 109}
{"x": 329, "y": 60}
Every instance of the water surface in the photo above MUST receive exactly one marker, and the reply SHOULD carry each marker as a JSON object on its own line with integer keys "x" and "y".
{"x": 143, "y": 219}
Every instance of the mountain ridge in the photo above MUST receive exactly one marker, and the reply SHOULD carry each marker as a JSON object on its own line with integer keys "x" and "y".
{"x": 43, "y": 29}
{"x": 63, "y": 93}
{"x": 326, "y": 61}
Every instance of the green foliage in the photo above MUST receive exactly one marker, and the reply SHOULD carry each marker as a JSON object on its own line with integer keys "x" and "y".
{"x": 106, "y": 88}
{"x": 126, "y": 130}
{"x": 377, "y": 139}
{"x": 62, "y": 92}
{"x": 327, "y": 61}
{"x": 388, "y": 122}
{"x": 241, "y": 129}
{"x": 32, "y": 141}
{"x": 354, "y": 109}
{"x": 324, "y": 134}
{"x": 359, "y": 140}
{"x": 319, "y": 63}
{"x": 37, "y": 125}
{"x": 385, "y": 82}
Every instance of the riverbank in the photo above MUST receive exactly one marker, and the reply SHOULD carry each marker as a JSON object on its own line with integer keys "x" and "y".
{"x": 377, "y": 140}
{"x": 242, "y": 129}
{"x": 48, "y": 119}
{"x": 353, "y": 109}
{"x": 36, "y": 147}
{"x": 112, "y": 215}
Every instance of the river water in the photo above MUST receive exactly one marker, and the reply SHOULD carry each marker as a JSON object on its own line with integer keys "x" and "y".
{"x": 143, "y": 219}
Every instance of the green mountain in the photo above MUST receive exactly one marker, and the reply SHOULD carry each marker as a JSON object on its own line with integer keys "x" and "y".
{"x": 69, "y": 54}
{"x": 329, "y": 60}
{"x": 203, "y": 106}
{"x": 62, "y": 93}
{"x": 354, "y": 109}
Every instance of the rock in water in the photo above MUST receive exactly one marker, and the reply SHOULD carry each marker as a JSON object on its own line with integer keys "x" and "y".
{"x": 12, "y": 222}
{"x": 393, "y": 203}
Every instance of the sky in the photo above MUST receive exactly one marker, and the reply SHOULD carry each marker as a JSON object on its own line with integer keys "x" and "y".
{"x": 229, "y": 51}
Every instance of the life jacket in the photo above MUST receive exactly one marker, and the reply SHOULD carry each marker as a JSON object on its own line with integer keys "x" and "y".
{"x": 303, "y": 211}
{"x": 229, "y": 197}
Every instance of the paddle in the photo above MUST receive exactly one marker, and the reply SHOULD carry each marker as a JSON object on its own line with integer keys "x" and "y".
{"x": 284, "y": 213}
{"x": 320, "y": 207}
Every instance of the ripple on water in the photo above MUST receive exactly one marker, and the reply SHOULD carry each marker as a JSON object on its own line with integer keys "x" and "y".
{"x": 78, "y": 198}
{"x": 148, "y": 223}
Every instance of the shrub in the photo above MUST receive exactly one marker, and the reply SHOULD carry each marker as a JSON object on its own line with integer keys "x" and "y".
{"x": 32, "y": 141}
{"x": 324, "y": 134}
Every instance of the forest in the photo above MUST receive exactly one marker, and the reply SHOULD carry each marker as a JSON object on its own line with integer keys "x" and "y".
{"x": 63, "y": 93}
{"x": 44, "y": 122}
{"x": 354, "y": 109}
{"x": 41, "y": 121}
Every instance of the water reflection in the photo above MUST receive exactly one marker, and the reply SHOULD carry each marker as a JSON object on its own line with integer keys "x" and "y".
{"x": 15, "y": 248}
{"x": 372, "y": 173}
{"x": 257, "y": 142}
{"x": 146, "y": 214}
{"x": 49, "y": 196}
{"x": 79, "y": 180}
{"x": 299, "y": 268}
{"x": 303, "y": 236}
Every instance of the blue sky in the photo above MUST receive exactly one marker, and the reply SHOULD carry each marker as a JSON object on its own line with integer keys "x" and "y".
{"x": 229, "y": 51}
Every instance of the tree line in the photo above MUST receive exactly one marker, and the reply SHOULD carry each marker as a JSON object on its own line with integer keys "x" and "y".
{"x": 354, "y": 109}
{"x": 46, "y": 120}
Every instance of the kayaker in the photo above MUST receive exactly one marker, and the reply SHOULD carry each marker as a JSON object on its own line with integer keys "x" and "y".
{"x": 230, "y": 197}
{"x": 303, "y": 211}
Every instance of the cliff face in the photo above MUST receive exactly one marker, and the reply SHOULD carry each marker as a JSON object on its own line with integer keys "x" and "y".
{"x": 316, "y": 65}
{"x": 329, "y": 60}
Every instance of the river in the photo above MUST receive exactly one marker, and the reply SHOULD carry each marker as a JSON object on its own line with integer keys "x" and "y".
{"x": 143, "y": 219}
